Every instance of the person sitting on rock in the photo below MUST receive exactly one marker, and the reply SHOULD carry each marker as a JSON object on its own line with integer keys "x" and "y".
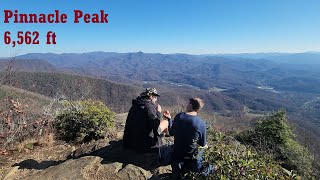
{"x": 144, "y": 123}
{"x": 189, "y": 132}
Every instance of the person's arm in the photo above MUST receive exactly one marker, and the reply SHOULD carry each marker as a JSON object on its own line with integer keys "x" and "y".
{"x": 155, "y": 116}
{"x": 165, "y": 126}
{"x": 153, "y": 113}
{"x": 172, "y": 128}
{"x": 170, "y": 123}
{"x": 167, "y": 116}
{"x": 202, "y": 135}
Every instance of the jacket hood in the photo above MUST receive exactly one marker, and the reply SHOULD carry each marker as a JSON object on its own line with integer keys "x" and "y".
{"x": 139, "y": 101}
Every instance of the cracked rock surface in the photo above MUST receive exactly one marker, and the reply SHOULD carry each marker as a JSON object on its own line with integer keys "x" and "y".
{"x": 102, "y": 159}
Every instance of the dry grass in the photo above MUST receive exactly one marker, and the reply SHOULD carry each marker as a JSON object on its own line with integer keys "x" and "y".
{"x": 30, "y": 144}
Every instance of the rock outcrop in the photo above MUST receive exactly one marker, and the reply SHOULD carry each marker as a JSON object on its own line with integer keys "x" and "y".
{"x": 101, "y": 159}
{"x": 91, "y": 167}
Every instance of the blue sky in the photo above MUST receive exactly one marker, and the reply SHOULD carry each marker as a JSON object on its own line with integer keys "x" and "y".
{"x": 173, "y": 26}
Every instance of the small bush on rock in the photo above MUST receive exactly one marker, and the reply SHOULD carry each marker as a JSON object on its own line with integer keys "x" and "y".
{"x": 83, "y": 121}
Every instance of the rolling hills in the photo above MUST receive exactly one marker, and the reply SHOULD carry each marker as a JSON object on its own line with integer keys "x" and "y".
{"x": 117, "y": 96}
{"x": 230, "y": 84}
{"x": 203, "y": 72}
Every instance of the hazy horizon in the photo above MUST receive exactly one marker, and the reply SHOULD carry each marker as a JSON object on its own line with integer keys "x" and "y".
{"x": 205, "y": 54}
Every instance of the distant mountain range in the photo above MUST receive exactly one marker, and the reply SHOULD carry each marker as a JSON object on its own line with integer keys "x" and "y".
{"x": 242, "y": 83}
{"x": 28, "y": 65}
{"x": 290, "y": 58}
{"x": 279, "y": 70}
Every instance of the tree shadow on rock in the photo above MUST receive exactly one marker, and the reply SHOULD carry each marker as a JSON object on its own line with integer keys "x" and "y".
{"x": 33, "y": 164}
{"x": 116, "y": 153}
{"x": 166, "y": 176}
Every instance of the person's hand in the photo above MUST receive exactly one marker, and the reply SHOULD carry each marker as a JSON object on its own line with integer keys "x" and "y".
{"x": 167, "y": 114}
{"x": 159, "y": 109}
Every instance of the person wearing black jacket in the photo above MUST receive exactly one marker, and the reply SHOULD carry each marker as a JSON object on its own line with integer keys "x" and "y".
{"x": 144, "y": 123}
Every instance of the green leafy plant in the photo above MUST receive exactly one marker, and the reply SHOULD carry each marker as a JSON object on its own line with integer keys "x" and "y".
{"x": 271, "y": 152}
{"x": 234, "y": 162}
{"x": 83, "y": 121}
{"x": 273, "y": 136}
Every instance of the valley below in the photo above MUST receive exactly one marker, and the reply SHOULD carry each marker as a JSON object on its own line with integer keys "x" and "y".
{"x": 237, "y": 90}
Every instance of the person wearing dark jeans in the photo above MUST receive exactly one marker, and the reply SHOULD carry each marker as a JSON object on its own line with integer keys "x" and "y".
{"x": 189, "y": 132}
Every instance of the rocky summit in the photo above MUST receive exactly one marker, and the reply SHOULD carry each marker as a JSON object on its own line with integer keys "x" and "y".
{"x": 102, "y": 159}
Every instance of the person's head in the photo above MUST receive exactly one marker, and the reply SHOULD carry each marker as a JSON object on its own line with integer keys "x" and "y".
{"x": 150, "y": 93}
{"x": 195, "y": 104}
